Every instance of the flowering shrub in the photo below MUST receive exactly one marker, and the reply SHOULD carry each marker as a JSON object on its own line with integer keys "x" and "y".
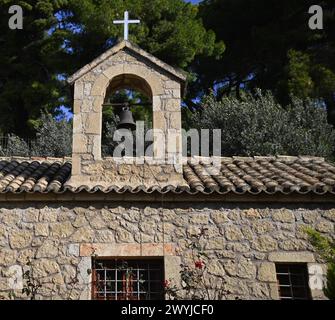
{"x": 196, "y": 283}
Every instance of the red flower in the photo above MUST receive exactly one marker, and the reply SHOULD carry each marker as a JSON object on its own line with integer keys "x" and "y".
{"x": 199, "y": 264}
{"x": 166, "y": 283}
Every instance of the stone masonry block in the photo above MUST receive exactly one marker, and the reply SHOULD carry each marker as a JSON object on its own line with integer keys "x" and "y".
{"x": 291, "y": 257}
{"x": 77, "y": 123}
{"x": 159, "y": 120}
{"x": 79, "y": 90}
{"x": 113, "y": 71}
{"x": 157, "y": 104}
{"x": 94, "y": 123}
{"x": 175, "y": 120}
{"x": 99, "y": 86}
{"x": 76, "y": 106}
{"x": 76, "y": 165}
{"x": 97, "y": 103}
{"x": 79, "y": 143}
{"x": 267, "y": 272}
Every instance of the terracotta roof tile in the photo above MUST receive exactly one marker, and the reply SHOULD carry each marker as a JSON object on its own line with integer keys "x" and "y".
{"x": 270, "y": 175}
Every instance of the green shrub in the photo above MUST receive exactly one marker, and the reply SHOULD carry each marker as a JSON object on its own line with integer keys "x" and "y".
{"x": 260, "y": 126}
{"x": 325, "y": 247}
{"x": 53, "y": 137}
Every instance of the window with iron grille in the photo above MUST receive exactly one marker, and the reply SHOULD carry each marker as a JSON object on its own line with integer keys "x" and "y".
{"x": 128, "y": 279}
{"x": 293, "y": 281}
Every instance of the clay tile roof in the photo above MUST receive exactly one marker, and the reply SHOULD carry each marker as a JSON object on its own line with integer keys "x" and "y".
{"x": 33, "y": 174}
{"x": 237, "y": 175}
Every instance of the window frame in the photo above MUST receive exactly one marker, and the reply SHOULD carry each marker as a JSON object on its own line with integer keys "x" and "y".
{"x": 303, "y": 272}
{"x": 159, "y": 261}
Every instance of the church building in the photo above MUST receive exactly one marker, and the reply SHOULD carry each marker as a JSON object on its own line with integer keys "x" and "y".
{"x": 94, "y": 227}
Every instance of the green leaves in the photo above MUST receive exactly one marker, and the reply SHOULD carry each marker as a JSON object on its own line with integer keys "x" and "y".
{"x": 59, "y": 37}
{"x": 306, "y": 78}
{"x": 260, "y": 126}
{"x": 29, "y": 63}
{"x": 15, "y": 146}
{"x": 270, "y": 46}
{"x": 325, "y": 247}
{"x": 169, "y": 29}
{"x": 300, "y": 82}
{"x": 330, "y": 288}
{"x": 53, "y": 139}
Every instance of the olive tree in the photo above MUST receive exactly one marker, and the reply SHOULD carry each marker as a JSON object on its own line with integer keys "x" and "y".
{"x": 258, "y": 125}
{"x": 53, "y": 139}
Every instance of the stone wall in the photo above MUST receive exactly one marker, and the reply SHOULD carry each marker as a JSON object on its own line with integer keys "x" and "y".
{"x": 135, "y": 172}
{"x": 243, "y": 243}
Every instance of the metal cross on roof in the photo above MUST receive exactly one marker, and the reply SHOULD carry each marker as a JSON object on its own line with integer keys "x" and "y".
{"x": 126, "y": 22}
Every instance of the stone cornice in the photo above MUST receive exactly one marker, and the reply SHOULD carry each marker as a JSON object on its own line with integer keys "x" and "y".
{"x": 156, "y": 197}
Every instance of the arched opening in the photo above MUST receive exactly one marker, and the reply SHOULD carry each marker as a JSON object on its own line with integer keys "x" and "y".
{"x": 125, "y": 91}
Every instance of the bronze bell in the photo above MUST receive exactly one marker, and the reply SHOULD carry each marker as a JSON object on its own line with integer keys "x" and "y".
{"x": 126, "y": 120}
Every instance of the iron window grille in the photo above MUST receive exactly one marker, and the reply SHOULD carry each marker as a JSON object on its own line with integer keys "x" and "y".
{"x": 293, "y": 281}
{"x": 116, "y": 279}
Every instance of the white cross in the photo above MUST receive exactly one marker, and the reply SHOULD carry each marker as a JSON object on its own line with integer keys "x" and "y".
{"x": 126, "y": 23}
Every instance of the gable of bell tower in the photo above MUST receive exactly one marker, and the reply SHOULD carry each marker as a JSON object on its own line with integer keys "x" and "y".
{"x": 126, "y": 65}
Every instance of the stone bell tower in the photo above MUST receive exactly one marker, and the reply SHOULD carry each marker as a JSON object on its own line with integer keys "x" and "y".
{"x": 125, "y": 66}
